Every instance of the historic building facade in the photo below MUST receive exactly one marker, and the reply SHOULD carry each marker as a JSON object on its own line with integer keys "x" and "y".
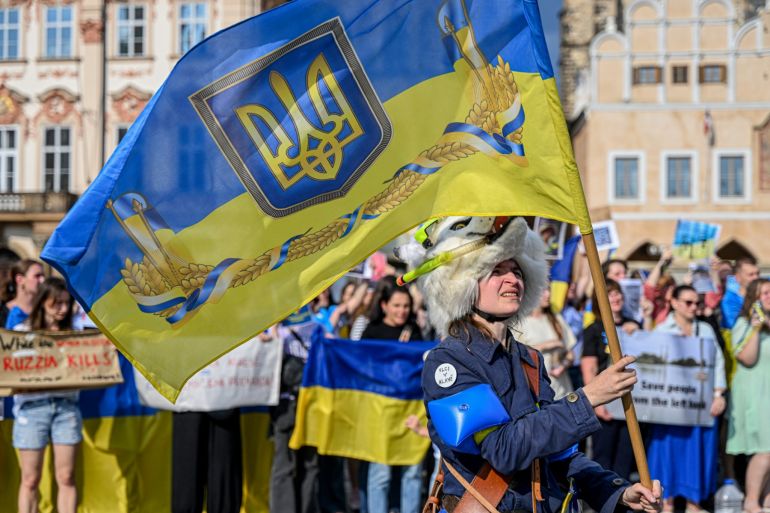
{"x": 671, "y": 120}
{"x": 74, "y": 74}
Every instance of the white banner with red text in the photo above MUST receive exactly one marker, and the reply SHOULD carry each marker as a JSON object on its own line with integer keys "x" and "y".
{"x": 249, "y": 375}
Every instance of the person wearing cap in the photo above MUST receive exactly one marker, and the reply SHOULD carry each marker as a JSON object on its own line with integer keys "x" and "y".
{"x": 505, "y": 442}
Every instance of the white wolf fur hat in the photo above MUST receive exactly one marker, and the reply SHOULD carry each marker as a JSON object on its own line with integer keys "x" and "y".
{"x": 451, "y": 289}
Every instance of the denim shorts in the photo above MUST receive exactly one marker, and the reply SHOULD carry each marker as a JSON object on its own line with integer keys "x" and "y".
{"x": 55, "y": 419}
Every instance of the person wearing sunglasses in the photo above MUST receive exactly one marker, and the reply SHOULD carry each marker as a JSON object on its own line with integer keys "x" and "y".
{"x": 670, "y": 446}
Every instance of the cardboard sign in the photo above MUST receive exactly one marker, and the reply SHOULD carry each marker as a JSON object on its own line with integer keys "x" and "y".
{"x": 606, "y": 236}
{"x": 249, "y": 375}
{"x": 45, "y": 361}
{"x": 694, "y": 240}
{"x": 553, "y": 233}
{"x": 701, "y": 279}
{"x": 632, "y": 298}
{"x": 675, "y": 378}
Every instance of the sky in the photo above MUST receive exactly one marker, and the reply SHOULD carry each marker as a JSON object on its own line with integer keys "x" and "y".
{"x": 549, "y": 14}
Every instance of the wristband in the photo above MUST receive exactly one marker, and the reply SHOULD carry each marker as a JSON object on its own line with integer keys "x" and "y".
{"x": 718, "y": 393}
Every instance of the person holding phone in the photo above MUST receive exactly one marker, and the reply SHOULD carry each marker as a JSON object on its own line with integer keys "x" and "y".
{"x": 748, "y": 429}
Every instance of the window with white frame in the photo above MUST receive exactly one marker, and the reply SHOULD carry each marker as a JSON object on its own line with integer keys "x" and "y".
{"x": 9, "y": 34}
{"x": 732, "y": 183}
{"x": 57, "y": 158}
{"x": 58, "y": 32}
{"x": 131, "y": 30}
{"x": 679, "y": 177}
{"x": 192, "y": 24}
{"x": 9, "y": 157}
{"x": 626, "y": 177}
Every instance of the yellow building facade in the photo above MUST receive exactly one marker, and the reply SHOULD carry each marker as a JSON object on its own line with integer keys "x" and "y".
{"x": 675, "y": 124}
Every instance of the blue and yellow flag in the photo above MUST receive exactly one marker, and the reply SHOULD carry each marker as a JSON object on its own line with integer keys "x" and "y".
{"x": 124, "y": 462}
{"x": 285, "y": 149}
{"x": 356, "y": 397}
{"x": 561, "y": 273}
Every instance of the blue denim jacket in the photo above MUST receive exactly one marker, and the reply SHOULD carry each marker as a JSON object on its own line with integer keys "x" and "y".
{"x": 531, "y": 433}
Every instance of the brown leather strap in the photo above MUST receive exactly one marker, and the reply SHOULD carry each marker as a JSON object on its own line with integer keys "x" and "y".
{"x": 533, "y": 374}
{"x": 484, "y": 492}
{"x": 433, "y": 504}
{"x": 537, "y": 493}
{"x": 533, "y": 377}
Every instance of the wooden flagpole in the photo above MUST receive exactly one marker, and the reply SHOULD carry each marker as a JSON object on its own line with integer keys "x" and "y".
{"x": 614, "y": 344}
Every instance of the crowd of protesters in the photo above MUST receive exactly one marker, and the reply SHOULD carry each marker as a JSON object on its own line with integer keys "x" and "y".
{"x": 573, "y": 343}
{"x": 729, "y": 311}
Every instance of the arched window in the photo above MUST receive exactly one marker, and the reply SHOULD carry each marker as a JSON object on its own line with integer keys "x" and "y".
{"x": 644, "y": 252}
{"x": 733, "y": 250}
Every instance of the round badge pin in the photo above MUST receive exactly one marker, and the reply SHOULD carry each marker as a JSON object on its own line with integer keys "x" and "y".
{"x": 445, "y": 375}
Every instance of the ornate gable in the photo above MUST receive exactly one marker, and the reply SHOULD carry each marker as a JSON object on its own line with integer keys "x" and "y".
{"x": 11, "y": 105}
{"x": 57, "y": 104}
{"x": 129, "y": 102}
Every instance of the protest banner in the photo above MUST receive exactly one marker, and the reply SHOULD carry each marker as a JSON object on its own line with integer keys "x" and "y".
{"x": 359, "y": 271}
{"x": 701, "y": 278}
{"x": 606, "y": 235}
{"x": 366, "y": 269}
{"x": 694, "y": 240}
{"x": 74, "y": 359}
{"x": 249, "y": 375}
{"x": 676, "y": 378}
{"x": 632, "y": 298}
{"x": 554, "y": 234}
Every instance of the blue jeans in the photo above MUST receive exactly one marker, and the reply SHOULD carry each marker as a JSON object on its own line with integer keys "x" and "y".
{"x": 379, "y": 483}
{"x": 41, "y": 421}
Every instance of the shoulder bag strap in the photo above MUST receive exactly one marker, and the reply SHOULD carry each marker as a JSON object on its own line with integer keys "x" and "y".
{"x": 533, "y": 373}
{"x": 299, "y": 339}
{"x": 486, "y": 490}
{"x": 433, "y": 503}
{"x": 533, "y": 378}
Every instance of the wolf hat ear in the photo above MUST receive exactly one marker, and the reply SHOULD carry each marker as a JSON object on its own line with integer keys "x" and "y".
{"x": 451, "y": 288}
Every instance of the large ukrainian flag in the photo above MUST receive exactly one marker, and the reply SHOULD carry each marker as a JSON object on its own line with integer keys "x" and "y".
{"x": 124, "y": 462}
{"x": 356, "y": 397}
{"x": 285, "y": 149}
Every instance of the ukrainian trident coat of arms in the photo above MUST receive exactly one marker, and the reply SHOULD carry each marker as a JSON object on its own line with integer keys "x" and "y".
{"x": 317, "y": 125}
